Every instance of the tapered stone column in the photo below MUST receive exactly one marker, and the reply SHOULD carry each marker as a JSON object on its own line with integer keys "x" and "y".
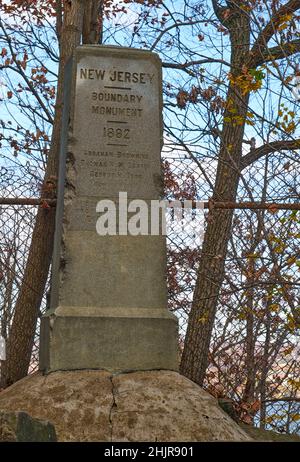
{"x": 108, "y": 298}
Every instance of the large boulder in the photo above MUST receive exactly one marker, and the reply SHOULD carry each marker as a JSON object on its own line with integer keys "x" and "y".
{"x": 94, "y": 405}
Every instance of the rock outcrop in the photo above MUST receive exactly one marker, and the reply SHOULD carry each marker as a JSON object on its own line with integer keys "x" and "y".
{"x": 90, "y": 405}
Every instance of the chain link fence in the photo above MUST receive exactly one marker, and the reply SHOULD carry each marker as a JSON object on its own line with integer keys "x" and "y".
{"x": 16, "y": 226}
{"x": 254, "y": 349}
{"x": 254, "y": 352}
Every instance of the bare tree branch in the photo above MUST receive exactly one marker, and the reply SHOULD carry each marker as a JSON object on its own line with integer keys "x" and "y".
{"x": 279, "y": 52}
{"x": 218, "y": 10}
{"x": 258, "y": 153}
{"x": 260, "y": 47}
{"x": 20, "y": 71}
{"x": 177, "y": 24}
{"x": 183, "y": 66}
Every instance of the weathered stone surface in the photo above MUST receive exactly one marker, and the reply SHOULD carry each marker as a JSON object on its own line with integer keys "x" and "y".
{"x": 180, "y": 410}
{"x": 108, "y": 293}
{"x": 139, "y": 406}
{"x": 137, "y": 339}
{"x": 21, "y": 427}
{"x": 77, "y": 403}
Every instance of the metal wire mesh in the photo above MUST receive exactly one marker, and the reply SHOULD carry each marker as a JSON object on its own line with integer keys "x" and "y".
{"x": 16, "y": 225}
{"x": 254, "y": 349}
{"x": 254, "y": 354}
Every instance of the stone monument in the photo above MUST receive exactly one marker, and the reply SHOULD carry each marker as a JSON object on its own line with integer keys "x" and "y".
{"x": 108, "y": 310}
{"x": 108, "y": 307}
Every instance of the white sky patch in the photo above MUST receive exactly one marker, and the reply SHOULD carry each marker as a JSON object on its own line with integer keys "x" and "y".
{"x": 296, "y": 87}
{"x": 2, "y": 349}
{"x": 3, "y": 90}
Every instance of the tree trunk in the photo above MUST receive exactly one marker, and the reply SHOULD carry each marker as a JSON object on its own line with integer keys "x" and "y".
{"x": 92, "y": 22}
{"x": 22, "y": 331}
{"x": 212, "y": 261}
{"x": 248, "y": 395}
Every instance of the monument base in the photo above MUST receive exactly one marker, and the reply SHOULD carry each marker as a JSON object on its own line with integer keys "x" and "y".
{"x": 111, "y": 339}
